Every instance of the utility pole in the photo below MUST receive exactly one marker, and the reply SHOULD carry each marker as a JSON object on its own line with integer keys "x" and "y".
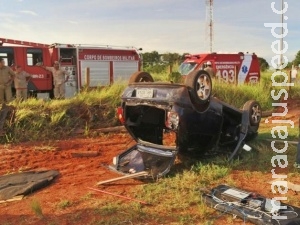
{"x": 210, "y": 23}
{"x": 281, "y": 41}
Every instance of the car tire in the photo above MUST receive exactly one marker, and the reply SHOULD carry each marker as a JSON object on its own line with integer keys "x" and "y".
{"x": 254, "y": 109}
{"x": 140, "y": 77}
{"x": 200, "y": 86}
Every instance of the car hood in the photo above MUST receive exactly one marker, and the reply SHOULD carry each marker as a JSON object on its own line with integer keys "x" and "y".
{"x": 155, "y": 159}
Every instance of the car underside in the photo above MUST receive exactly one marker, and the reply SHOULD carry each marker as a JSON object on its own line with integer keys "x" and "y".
{"x": 150, "y": 110}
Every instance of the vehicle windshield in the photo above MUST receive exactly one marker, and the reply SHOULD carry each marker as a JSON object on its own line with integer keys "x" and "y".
{"x": 186, "y": 67}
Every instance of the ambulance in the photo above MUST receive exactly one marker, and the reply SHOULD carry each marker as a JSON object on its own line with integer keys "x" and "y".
{"x": 106, "y": 64}
{"x": 237, "y": 68}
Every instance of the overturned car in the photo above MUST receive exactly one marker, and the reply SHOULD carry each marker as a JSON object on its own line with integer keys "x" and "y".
{"x": 200, "y": 122}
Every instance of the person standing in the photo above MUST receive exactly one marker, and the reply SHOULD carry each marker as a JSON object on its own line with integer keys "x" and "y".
{"x": 6, "y": 77}
{"x": 294, "y": 74}
{"x": 60, "y": 77}
{"x": 21, "y": 79}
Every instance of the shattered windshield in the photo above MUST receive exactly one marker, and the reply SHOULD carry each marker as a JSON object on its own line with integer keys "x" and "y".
{"x": 186, "y": 67}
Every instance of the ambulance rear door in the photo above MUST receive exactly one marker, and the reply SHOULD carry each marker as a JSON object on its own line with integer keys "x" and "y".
{"x": 244, "y": 69}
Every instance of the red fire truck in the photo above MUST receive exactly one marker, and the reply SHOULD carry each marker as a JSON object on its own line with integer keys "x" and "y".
{"x": 231, "y": 68}
{"x": 106, "y": 63}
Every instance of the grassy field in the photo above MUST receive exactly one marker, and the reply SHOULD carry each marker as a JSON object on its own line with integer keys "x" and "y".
{"x": 41, "y": 120}
{"x": 37, "y": 119}
{"x": 175, "y": 199}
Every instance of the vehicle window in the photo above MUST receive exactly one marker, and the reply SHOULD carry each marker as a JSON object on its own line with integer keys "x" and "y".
{"x": 8, "y": 55}
{"x": 67, "y": 55}
{"x": 34, "y": 56}
{"x": 185, "y": 68}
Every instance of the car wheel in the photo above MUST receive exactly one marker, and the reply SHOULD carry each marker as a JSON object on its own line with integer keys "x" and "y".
{"x": 254, "y": 112}
{"x": 200, "y": 85}
{"x": 140, "y": 77}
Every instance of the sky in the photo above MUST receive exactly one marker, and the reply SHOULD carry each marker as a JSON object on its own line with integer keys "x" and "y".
{"x": 155, "y": 25}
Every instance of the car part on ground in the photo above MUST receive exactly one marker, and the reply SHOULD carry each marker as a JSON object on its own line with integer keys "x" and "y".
{"x": 251, "y": 207}
{"x": 155, "y": 159}
{"x": 20, "y": 184}
{"x": 133, "y": 174}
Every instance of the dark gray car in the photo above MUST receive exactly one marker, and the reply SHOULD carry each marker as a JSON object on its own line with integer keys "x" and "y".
{"x": 200, "y": 122}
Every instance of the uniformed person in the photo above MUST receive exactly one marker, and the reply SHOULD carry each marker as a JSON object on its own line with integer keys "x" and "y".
{"x": 21, "y": 79}
{"x": 6, "y": 77}
{"x": 60, "y": 77}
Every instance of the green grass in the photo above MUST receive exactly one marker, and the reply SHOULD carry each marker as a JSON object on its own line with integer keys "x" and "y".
{"x": 175, "y": 199}
{"x": 265, "y": 130}
{"x": 261, "y": 92}
{"x": 36, "y": 208}
{"x": 87, "y": 196}
{"x": 240, "y": 94}
{"x": 64, "y": 203}
{"x": 36, "y": 119}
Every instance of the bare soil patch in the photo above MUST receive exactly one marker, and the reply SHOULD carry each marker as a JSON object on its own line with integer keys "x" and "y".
{"x": 76, "y": 175}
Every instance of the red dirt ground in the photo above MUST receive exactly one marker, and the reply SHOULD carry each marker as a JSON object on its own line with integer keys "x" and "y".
{"x": 77, "y": 174}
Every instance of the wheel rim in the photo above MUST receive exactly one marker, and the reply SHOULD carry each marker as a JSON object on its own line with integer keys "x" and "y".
{"x": 203, "y": 87}
{"x": 256, "y": 114}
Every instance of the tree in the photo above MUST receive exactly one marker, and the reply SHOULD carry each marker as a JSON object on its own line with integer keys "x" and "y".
{"x": 170, "y": 59}
{"x": 151, "y": 58}
{"x": 183, "y": 56}
{"x": 289, "y": 65}
{"x": 153, "y": 62}
{"x": 264, "y": 65}
{"x": 296, "y": 61}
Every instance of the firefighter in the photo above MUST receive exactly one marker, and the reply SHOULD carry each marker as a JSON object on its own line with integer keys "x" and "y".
{"x": 21, "y": 79}
{"x": 6, "y": 77}
{"x": 209, "y": 69}
{"x": 60, "y": 77}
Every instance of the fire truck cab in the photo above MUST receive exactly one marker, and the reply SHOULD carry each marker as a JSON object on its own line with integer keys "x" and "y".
{"x": 106, "y": 64}
{"x": 230, "y": 68}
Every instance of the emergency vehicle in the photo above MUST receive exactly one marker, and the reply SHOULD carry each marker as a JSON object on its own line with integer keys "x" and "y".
{"x": 106, "y": 64}
{"x": 231, "y": 68}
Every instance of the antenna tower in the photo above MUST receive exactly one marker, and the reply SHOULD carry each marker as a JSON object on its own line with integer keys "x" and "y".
{"x": 209, "y": 23}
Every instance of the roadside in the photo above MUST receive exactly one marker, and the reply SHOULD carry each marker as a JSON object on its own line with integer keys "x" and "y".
{"x": 69, "y": 201}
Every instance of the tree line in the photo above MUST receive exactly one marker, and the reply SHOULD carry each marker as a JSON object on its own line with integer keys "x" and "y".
{"x": 155, "y": 62}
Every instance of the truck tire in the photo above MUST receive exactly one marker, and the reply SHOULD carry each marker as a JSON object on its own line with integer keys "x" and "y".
{"x": 254, "y": 112}
{"x": 140, "y": 77}
{"x": 200, "y": 86}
